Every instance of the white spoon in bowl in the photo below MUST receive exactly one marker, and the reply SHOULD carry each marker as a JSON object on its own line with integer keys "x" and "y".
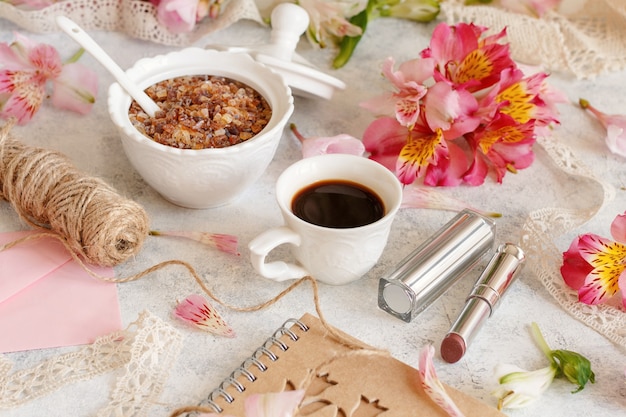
{"x": 87, "y": 42}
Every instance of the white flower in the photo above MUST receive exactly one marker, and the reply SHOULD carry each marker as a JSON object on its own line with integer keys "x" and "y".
{"x": 519, "y": 387}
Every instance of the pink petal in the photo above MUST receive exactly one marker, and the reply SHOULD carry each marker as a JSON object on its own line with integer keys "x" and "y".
{"x": 12, "y": 60}
{"x": 16, "y": 56}
{"x": 344, "y": 144}
{"x": 380, "y": 105}
{"x": 418, "y": 70}
{"x": 25, "y": 91}
{"x": 432, "y": 385}
{"x": 574, "y": 269}
{"x": 178, "y": 16}
{"x": 615, "y": 126}
{"x": 278, "y": 404}
{"x": 449, "y": 171}
{"x": 75, "y": 89}
{"x": 453, "y": 43}
{"x": 197, "y": 311}
{"x": 407, "y": 110}
{"x": 618, "y": 228}
{"x": 477, "y": 171}
{"x": 420, "y": 153}
{"x": 616, "y": 135}
{"x": 451, "y": 110}
{"x": 46, "y": 60}
{"x": 384, "y": 138}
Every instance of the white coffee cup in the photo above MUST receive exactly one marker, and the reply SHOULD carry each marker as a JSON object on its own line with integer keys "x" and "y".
{"x": 330, "y": 255}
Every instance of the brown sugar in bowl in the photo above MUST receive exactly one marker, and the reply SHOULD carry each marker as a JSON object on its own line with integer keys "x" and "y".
{"x": 202, "y": 111}
{"x": 208, "y": 177}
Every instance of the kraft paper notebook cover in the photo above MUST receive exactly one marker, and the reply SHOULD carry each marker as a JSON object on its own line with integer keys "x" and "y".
{"x": 340, "y": 381}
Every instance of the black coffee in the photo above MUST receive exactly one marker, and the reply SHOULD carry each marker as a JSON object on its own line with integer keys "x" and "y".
{"x": 338, "y": 204}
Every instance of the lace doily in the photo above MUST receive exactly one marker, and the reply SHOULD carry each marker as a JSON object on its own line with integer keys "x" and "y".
{"x": 136, "y": 18}
{"x": 537, "y": 240}
{"x": 586, "y": 42}
{"x": 147, "y": 349}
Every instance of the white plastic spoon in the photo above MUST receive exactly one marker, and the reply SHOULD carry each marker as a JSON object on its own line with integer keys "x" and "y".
{"x": 87, "y": 42}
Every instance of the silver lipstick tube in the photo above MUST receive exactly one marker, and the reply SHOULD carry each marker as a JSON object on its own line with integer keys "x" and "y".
{"x": 426, "y": 273}
{"x": 482, "y": 301}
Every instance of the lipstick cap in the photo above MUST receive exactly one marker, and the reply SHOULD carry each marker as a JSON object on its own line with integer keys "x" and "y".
{"x": 426, "y": 273}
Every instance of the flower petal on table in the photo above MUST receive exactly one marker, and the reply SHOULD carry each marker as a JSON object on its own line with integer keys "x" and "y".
{"x": 224, "y": 242}
{"x": 343, "y": 144}
{"x": 618, "y": 228}
{"x": 519, "y": 387}
{"x": 276, "y": 404}
{"x": 75, "y": 89}
{"x": 197, "y": 311}
{"x": 431, "y": 198}
{"x": 432, "y": 385}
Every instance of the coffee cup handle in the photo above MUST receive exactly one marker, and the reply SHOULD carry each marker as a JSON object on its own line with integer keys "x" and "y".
{"x": 264, "y": 243}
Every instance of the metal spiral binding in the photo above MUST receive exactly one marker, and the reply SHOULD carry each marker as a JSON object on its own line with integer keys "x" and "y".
{"x": 253, "y": 361}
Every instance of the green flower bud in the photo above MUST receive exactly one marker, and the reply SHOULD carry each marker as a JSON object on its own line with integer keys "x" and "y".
{"x": 573, "y": 366}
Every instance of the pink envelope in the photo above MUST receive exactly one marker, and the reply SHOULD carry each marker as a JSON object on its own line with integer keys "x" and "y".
{"x": 47, "y": 299}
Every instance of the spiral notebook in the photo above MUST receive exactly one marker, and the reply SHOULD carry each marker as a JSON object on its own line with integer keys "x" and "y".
{"x": 339, "y": 380}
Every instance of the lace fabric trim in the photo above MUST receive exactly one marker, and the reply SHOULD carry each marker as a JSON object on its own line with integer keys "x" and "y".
{"x": 147, "y": 350}
{"x": 543, "y": 226}
{"x": 585, "y": 42}
{"x": 135, "y": 18}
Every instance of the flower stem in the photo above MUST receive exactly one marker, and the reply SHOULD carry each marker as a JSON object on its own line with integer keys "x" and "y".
{"x": 539, "y": 339}
{"x": 296, "y": 132}
{"x": 76, "y": 56}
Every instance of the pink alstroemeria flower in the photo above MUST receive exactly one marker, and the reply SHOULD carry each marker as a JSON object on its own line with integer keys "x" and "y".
{"x": 408, "y": 153}
{"x": 596, "y": 267}
{"x": 408, "y": 82}
{"x": 450, "y": 109}
{"x": 274, "y": 404}
{"x": 196, "y": 311}
{"x": 25, "y": 69}
{"x": 181, "y": 16}
{"x": 433, "y": 387}
{"x": 503, "y": 144}
{"x": 615, "y": 125}
{"x": 465, "y": 58}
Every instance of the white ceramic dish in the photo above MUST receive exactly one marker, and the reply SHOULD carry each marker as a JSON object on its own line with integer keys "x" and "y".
{"x": 208, "y": 177}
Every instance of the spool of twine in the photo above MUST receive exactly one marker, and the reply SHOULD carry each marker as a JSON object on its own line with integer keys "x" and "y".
{"x": 50, "y": 193}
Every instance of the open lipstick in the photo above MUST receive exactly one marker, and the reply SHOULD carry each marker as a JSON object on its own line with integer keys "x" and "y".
{"x": 482, "y": 300}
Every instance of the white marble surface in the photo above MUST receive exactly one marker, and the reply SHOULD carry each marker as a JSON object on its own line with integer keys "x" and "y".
{"x": 92, "y": 143}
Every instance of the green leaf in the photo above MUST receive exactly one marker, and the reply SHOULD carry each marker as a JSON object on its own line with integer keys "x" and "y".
{"x": 348, "y": 43}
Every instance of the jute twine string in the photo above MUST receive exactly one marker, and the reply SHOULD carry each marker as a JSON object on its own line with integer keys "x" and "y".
{"x": 50, "y": 194}
{"x": 95, "y": 224}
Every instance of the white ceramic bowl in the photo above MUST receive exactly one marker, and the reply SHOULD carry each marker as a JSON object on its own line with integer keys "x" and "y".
{"x": 207, "y": 177}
